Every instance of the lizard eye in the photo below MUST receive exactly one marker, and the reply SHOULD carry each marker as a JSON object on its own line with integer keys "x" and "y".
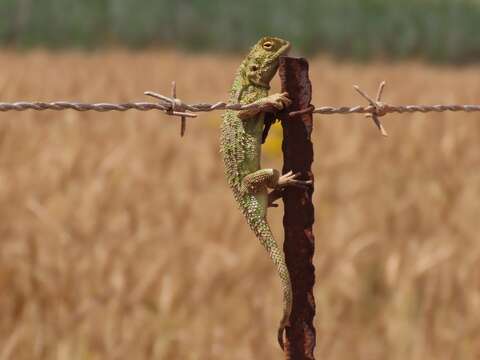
{"x": 253, "y": 67}
{"x": 267, "y": 45}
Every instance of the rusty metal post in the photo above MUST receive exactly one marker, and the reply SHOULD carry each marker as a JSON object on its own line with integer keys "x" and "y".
{"x": 299, "y": 212}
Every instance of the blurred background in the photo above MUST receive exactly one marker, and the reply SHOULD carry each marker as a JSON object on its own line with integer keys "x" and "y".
{"x": 437, "y": 30}
{"x": 120, "y": 240}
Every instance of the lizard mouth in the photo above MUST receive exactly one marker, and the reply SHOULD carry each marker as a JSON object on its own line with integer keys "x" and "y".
{"x": 285, "y": 49}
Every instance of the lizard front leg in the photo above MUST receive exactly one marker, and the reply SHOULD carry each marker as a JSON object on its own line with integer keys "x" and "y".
{"x": 276, "y": 102}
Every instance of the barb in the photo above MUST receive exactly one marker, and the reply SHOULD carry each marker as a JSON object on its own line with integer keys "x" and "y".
{"x": 379, "y": 107}
{"x": 173, "y": 106}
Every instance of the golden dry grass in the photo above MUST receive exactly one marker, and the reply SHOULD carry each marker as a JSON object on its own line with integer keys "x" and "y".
{"x": 119, "y": 240}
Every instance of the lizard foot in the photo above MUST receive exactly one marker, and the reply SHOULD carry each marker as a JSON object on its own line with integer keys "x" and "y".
{"x": 279, "y": 101}
{"x": 271, "y": 103}
{"x": 289, "y": 179}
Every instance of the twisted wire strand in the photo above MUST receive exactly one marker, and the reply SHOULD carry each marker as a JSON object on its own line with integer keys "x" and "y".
{"x": 65, "y": 105}
{"x": 176, "y": 107}
{"x": 141, "y": 106}
{"x": 401, "y": 109}
{"x": 202, "y": 107}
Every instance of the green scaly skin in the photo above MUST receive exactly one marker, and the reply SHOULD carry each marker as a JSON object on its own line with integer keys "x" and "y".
{"x": 241, "y": 138}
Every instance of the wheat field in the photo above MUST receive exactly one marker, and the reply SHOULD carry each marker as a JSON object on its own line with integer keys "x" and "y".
{"x": 120, "y": 240}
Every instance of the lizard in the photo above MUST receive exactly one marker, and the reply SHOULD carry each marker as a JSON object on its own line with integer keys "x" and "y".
{"x": 242, "y": 133}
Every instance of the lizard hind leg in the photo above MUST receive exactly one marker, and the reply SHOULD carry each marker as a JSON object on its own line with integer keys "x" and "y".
{"x": 260, "y": 180}
{"x": 263, "y": 178}
{"x": 290, "y": 179}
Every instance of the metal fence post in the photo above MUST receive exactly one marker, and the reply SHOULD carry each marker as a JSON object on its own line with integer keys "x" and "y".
{"x": 299, "y": 212}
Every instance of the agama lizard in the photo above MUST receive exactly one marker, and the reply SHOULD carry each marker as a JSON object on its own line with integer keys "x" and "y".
{"x": 240, "y": 142}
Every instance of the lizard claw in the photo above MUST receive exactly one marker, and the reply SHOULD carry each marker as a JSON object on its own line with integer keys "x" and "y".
{"x": 290, "y": 179}
{"x": 279, "y": 101}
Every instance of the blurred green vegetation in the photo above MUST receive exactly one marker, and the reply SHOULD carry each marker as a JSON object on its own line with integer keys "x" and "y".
{"x": 438, "y": 30}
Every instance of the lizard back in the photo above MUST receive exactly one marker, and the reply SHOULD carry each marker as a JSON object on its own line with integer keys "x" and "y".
{"x": 240, "y": 140}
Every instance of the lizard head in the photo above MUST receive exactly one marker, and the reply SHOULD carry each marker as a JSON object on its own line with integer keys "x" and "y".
{"x": 262, "y": 62}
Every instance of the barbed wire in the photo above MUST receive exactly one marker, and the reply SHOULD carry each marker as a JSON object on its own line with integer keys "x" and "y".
{"x": 175, "y": 107}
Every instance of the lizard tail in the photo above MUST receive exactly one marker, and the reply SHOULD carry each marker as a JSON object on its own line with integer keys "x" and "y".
{"x": 281, "y": 329}
{"x": 264, "y": 234}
